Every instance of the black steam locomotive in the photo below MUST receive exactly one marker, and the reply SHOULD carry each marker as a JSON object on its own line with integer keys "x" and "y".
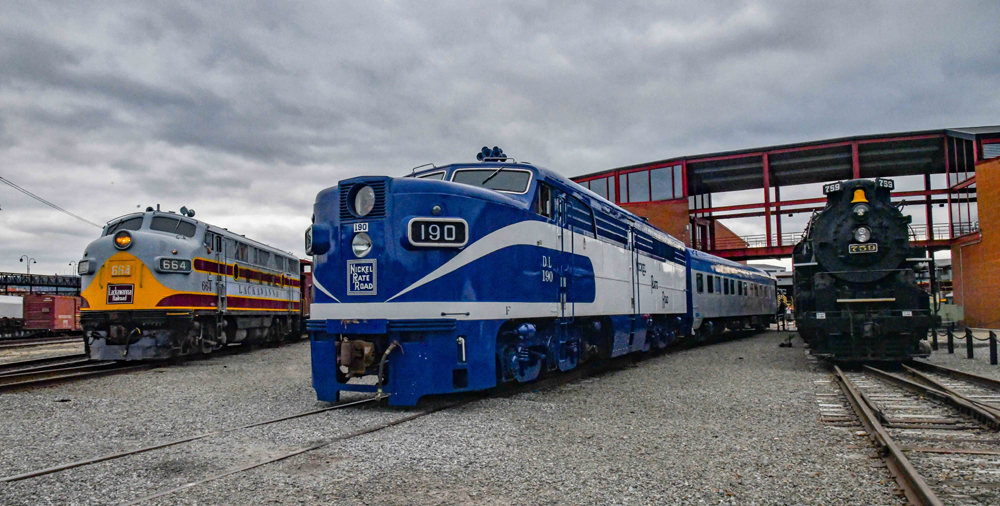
{"x": 856, "y": 292}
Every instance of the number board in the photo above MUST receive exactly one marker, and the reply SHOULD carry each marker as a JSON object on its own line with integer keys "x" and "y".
{"x": 870, "y": 247}
{"x": 832, "y": 187}
{"x": 885, "y": 183}
{"x": 438, "y": 232}
{"x": 165, "y": 264}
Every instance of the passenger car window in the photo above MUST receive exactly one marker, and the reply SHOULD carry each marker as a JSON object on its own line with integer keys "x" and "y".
{"x": 700, "y": 282}
{"x": 711, "y": 286}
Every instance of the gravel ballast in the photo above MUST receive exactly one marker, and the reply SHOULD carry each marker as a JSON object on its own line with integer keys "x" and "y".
{"x": 732, "y": 423}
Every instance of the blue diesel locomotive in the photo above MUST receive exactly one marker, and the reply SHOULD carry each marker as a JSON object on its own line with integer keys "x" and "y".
{"x": 461, "y": 277}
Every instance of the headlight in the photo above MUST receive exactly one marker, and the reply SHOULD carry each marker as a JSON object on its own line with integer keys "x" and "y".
{"x": 361, "y": 244}
{"x": 364, "y": 200}
{"x": 123, "y": 240}
{"x": 862, "y": 234}
{"x": 83, "y": 267}
{"x": 861, "y": 210}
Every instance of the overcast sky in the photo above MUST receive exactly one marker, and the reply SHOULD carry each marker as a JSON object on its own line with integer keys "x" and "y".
{"x": 245, "y": 110}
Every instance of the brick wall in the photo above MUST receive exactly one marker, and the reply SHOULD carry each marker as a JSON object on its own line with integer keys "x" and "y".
{"x": 976, "y": 263}
{"x": 670, "y": 216}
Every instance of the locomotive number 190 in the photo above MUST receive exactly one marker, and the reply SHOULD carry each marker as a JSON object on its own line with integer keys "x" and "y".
{"x": 450, "y": 232}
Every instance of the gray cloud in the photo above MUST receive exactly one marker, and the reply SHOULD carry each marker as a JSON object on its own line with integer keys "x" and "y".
{"x": 244, "y": 110}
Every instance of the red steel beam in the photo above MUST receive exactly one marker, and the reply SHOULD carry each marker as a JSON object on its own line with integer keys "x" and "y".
{"x": 767, "y": 197}
{"x": 777, "y": 211}
{"x": 855, "y": 161}
{"x": 817, "y": 200}
{"x": 968, "y": 182}
{"x": 947, "y": 180}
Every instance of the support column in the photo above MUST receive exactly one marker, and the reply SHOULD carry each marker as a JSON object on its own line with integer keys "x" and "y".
{"x": 767, "y": 197}
{"x": 777, "y": 212}
{"x": 855, "y": 161}
{"x": 929, "y": 208}
{"x": 947, "y": 184}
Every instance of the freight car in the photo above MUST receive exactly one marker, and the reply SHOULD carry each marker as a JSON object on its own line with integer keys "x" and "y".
{"x": 39, "y": 315}
{"x": 159, "y": 285}
{"x": 460, "y": 277}
{"x": 854, "y": 273}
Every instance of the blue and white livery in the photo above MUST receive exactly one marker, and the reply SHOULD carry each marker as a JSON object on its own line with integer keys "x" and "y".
{"x": 460, "y": 277}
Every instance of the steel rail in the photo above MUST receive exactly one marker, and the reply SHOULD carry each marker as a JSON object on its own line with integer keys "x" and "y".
{"x": 41, "y": 361}
{"x": 544, "y": 384}
{"x": 69, "y": 374}
{"x": 53, "y": 371}
{"x": 955, "y": 373}
{"x": 957, "y": 401}
{"x": 39, "y": 369}
{"x": 38, "y": 341}
{"x": 991, "y": 408}
{"x": 112, "y": 456}
{"x": 909, "y": 480}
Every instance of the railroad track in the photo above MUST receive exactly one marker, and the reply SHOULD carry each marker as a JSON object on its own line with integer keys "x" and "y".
{"x": 65, "y": 372}
{"x": 25, "y": 365}
{"x": 39, "y": 341}
{"x": 438, "y": 406}
{"x": 942, "y": 446}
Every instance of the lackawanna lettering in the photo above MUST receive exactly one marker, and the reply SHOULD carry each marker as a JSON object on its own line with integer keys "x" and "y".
{"x": 120, "y": 294}
{"x": 258, "y": 291}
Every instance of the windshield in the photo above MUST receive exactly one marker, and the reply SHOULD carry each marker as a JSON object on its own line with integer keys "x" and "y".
{"x": 172, "y": 225}
{"x": 507, "y": 180}
{"x": 126, "y": 224}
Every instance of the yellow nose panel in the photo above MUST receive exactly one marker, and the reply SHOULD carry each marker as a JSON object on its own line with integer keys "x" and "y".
{"x": 859, "y": 196}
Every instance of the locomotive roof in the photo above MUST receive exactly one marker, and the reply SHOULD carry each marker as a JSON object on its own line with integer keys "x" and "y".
{"x": 211, "y": 228}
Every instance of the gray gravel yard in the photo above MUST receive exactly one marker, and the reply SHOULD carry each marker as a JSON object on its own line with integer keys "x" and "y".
{"x": 732, "y": 423}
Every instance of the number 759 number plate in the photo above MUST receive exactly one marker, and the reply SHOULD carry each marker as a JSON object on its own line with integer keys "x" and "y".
{"x": 438, "y": 232}
{"x": 870, "y": 247}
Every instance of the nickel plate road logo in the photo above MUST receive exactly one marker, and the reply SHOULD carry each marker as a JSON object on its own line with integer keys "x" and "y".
{"x": 361, "y": 277}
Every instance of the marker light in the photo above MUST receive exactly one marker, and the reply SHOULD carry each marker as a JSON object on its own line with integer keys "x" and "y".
{"x": 364, "y": 201}
{"x": 123, "y": 239}
{"x": 361, "y": 244}
{"x": 862, "y": 234}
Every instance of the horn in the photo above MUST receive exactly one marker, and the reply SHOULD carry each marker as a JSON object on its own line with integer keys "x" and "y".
{"x": 496, "y": 152}
{"x": 184, "y": 210}
{"x": 479, "y": 156}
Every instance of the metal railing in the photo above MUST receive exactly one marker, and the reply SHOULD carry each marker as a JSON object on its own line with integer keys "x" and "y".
{"x": 941, "y": 232}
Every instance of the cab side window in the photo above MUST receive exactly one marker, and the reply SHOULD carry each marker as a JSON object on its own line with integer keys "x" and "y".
{"x": 543, "y": 200}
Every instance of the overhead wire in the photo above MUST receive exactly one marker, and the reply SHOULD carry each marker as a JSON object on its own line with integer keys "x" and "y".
{"x": 46, "y": 202}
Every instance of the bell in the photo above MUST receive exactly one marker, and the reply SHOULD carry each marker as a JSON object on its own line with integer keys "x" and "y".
{"x": 859, "y": 196}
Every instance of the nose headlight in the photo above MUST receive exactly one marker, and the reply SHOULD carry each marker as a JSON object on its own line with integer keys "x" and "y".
{"x": 123, "y": 240}
{"x": 861, "y": 210}
{"x": 862, "y": 234}
{"x": 364, "y": 200}
{"x": 361, "y": 244}
{"x": 83, "y": 267}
